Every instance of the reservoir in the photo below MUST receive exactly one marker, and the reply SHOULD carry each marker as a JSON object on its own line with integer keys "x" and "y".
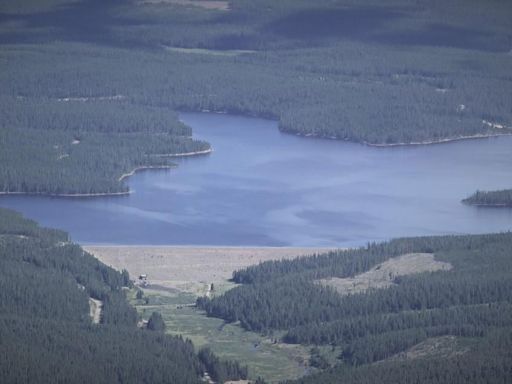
{"x": 261, "y": 187}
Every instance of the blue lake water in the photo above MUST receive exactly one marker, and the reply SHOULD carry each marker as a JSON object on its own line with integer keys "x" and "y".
{"x": 262, "y": 187}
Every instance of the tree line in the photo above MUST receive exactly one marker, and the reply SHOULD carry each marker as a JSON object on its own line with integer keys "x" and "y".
{"x": 471, "y": 301}
{"x": 501, "y": 198}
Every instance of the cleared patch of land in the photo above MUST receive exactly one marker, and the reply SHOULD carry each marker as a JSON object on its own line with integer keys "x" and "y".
{"x": 274, "y": 361}
{"x": 95, "y": 307}
{"x": 382, "y": 275}
{"x": 444, "y": 346}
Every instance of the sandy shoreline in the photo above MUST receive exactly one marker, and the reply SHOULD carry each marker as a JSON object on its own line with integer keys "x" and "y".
{"x": 142, "y": 168}
{"x": 440, "y": 141}
{"x": 121, "y": 178}
{"x": 403, "y": 144}
{"x": 124, "y": 193}
{"x": 496, "y": 205}
{"x": 185, "y": 154}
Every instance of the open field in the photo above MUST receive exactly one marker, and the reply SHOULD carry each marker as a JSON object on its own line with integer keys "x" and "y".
{"x": 382, "y": 275}
{"x": 177, "y": 275}
{"x": 272, "y": 360}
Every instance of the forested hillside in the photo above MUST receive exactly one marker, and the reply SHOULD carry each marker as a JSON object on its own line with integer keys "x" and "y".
{"x": 488, "y": 362}
{"x": 69, "y": 146}
{"x": 471, "y": 301}
{"x": 111, "y": 74}
{"x": 46, "y": 332}
{"x": 502, "y": 198}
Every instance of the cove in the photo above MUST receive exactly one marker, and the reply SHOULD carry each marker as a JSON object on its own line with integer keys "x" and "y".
{"x": 261, "y": 187}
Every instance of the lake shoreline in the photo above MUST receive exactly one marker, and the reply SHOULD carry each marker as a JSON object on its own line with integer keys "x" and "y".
{"x": 264, "y": 188}
{"x": 484, "y": 205}
{"x": 143, "y": 168}
{"x": 170, "y": 166}
{"x": 185, "y": 154}
{"x": 71, "y": 195}
{"x": 403, "y": 144}
{"x": 366, "y": 143}
{"x": 121, "y": 178}
{"x": 440, "y": 141}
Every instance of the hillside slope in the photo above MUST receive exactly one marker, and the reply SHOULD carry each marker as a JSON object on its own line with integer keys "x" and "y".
{"x": 47, "y": 334}
{"x": 431, "y": 288}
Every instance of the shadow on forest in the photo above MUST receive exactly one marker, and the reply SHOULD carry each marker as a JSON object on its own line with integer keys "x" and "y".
{"x": 322, "y": 23}
{"x": 448, "y": 36}
{"x": 380, "y": 25}
{"x": 93, "y": 20}
{"x": 85, "y": 21}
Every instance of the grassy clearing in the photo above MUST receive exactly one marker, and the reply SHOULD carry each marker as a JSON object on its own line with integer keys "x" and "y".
{"x": 438, "y": 347}
{"x": 272, "y": 361}
{"x": 382, "y": 275}
{"x": 178, "y": 275}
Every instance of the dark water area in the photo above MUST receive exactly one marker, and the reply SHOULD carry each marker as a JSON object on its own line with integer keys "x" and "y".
{"x": 261, "y": 187}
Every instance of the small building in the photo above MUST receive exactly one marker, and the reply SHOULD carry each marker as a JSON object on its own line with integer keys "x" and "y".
{"x": 143, "y": 280}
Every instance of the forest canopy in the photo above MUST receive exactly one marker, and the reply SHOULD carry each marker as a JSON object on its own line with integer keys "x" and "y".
{"x": 47, "y": 334}
{"x": 114, "y": 73}
{"x": 501, "y": 198}
{"x": 470, "y": 302}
